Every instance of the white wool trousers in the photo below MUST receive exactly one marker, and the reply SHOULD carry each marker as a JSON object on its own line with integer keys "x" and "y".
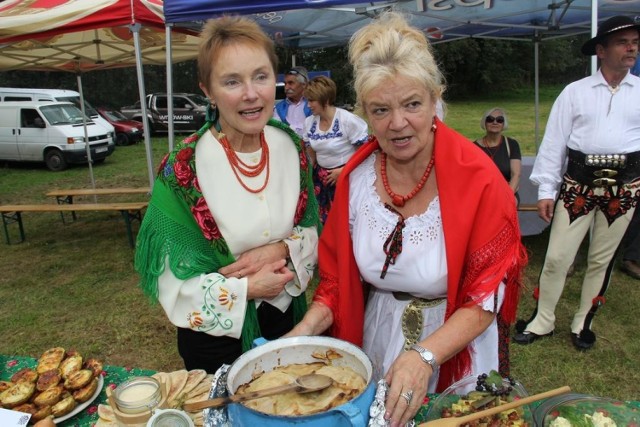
{"x": 564, "y": 241}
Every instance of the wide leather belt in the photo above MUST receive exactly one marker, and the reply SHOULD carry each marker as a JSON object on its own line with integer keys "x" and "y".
{"x": 603, "y": 170}
{"x": 412, "y": 318}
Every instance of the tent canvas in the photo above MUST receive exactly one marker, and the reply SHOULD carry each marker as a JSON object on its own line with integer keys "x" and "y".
{"x": 329, "y": 23}
{"x": 79, "y": 36}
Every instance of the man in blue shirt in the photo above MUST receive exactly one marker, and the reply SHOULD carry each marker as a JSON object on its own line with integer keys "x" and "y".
{"x": 294, "y": 109}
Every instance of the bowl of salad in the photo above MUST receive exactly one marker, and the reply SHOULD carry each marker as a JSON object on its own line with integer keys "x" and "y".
{"x": 477, "y": 392}
{"x": 583, "y": 410}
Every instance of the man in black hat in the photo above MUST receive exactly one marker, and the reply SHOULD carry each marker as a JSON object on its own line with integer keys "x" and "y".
{"x": 594, "y": 126}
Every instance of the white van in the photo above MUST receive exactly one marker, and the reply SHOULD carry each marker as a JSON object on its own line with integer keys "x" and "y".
{"x": 50, "y": 132}
{"x": 8, "y": 94}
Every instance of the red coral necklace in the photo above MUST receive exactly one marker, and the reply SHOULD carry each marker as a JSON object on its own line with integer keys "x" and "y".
{"x": 397, "y": 199}
{"x": 241, "y": 168}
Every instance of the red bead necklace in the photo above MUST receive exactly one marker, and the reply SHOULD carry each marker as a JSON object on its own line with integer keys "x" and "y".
{"x": 239, "y": 167}
{"x": 397, "y": 199}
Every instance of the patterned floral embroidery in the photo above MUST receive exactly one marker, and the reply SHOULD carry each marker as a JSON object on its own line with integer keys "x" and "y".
{"x": 334, "y": 133}
{"x": 227, "y": 298}
{"x": 416, "y": 236}
{"x": 210, "y": 317}
{"x": 580, "y": 199}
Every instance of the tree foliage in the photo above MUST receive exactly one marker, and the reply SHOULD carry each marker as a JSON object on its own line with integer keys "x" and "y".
{"x": 471, "y": 66}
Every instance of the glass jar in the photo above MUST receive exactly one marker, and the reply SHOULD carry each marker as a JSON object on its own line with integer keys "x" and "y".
{"x": 170, "y": 418}
{"x": 138, "y": 395}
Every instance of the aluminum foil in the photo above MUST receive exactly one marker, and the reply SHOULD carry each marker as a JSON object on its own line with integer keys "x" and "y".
{"x": 377, "y": 408}
{"x": 217, "y": 417}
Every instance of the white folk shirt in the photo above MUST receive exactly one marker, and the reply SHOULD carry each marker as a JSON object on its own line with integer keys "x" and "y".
{"x": 337, "y": 144}
{"x": 588, "y": 118}
{"x": 246, "y": 221}
{"x": 421, "y": 270}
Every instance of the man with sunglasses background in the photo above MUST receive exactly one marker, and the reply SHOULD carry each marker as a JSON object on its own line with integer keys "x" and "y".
{"x": 294, "y": 108}
{"x": 593, "y": 127}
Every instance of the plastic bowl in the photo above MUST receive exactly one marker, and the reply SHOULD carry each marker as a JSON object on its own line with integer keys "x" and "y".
{"x": 576, "y": 405}
{"x": 460, "y": 390}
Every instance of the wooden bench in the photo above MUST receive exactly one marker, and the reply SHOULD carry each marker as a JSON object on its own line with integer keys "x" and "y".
{"x": 528, "y": 207}
{"x": 66, "y": 195}
{"x": 130, "y": 211}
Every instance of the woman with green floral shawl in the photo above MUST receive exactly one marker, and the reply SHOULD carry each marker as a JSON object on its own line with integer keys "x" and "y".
{"x": 229, "y": 241}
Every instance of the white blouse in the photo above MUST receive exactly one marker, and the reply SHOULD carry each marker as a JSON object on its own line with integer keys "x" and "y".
{"x": 337, "y": 144}
{"x": 246, "y": 221}
{"x": 420, "y": 269}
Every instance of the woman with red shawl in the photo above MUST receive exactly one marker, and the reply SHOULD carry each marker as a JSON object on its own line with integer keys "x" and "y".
{"x": 423, "y": 228}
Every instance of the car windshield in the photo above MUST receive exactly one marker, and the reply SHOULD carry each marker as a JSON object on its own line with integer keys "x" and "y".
{"x": 62, "y": 114}
{"x": 199, "y": 99}
{"x": 75, "y": 100}
{"x": 114, "y": 115}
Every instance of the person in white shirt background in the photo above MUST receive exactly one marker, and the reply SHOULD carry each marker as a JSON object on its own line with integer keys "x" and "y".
{"x": 294, "y": 109}
{"x": 595, "y": 125}
{"x": 331, "y": 136}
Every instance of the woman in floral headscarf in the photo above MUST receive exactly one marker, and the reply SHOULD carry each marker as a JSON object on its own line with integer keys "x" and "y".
{"x": 229, "y": 241}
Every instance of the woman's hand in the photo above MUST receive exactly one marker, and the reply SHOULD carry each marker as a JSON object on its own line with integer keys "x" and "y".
{"x": 253, "y": 260}
{"x": 269, "y": 281}
{"x": 332, "y": 176}
{"x": 317, "y": 319}
{"x": 408, "y": 373}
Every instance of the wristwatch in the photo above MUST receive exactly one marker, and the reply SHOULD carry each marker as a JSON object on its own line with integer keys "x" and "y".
{"x": 426, "y": 356}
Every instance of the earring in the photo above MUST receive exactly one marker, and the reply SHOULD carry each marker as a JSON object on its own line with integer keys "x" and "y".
{"x": 434, "y": 126}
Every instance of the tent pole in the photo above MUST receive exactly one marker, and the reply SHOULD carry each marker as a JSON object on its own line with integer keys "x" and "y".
{"x": 594, "y": 31}
{"x": 86, "y": 135}
{"x": 536, "y": 70}
{"x": 169, "y": 55}
{"x": 135, "y": 29}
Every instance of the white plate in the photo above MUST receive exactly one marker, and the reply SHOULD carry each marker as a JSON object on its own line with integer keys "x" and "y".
{"x": 82, "y": 406}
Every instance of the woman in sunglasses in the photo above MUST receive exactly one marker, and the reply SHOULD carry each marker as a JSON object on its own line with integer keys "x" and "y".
{"x": 504, "y": 151}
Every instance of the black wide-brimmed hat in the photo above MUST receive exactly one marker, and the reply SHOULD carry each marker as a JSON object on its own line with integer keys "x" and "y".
{"x": 611, "y": 25}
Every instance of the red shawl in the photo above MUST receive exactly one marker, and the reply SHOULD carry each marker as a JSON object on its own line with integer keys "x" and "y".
{"x": 482, "y": 236}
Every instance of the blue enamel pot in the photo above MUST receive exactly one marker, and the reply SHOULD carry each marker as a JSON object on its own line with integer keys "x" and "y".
{"x": 287, "y": 351}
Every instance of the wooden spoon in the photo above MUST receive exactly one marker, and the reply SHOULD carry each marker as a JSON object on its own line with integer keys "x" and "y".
{"x": 457, "y": 421}
{"x": 302, "y": 384}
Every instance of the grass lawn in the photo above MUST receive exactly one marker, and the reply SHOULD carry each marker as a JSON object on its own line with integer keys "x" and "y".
{"x": 74, "y": 285}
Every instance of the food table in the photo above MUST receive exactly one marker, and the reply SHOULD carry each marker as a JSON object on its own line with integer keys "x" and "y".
{"x": 114, "y": 375}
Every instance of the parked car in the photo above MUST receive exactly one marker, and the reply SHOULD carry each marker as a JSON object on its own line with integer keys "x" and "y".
{"x": 189, "y": 111}
{"x": 127, "y": 131}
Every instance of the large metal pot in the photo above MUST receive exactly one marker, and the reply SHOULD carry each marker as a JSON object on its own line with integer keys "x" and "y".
{"x": 286, "y": 351}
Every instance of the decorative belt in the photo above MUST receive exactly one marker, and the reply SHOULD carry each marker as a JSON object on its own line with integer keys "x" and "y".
{"x": 603, "y": 170}
{"x": 412, "y": 318}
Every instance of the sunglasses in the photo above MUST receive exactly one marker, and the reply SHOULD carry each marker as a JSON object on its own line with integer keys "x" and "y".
{"x": 491, "y": 119}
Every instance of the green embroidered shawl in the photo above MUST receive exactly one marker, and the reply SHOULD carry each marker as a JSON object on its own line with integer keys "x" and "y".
{"x": 179, "y": 225}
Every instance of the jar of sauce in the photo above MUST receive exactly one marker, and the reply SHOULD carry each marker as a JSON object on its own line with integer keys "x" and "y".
{"x": 138, "y": 395}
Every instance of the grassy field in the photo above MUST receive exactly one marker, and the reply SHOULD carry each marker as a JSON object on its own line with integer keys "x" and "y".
{"x": 74, "y": 285}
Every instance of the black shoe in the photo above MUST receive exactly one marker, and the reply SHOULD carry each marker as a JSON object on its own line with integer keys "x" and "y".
{"x": 581, "y": 344}
{"x": 526, "y": 338}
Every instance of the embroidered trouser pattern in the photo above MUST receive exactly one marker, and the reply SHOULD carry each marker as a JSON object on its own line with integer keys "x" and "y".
{"x": 578, "y": 210}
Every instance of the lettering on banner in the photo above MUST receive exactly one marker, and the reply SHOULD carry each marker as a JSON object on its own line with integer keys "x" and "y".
{"x": 449, "y": 4}
{"x": 176, "y": 117}
{"x": 272, "y": 17}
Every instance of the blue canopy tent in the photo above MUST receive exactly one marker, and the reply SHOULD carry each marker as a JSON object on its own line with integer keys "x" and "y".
{"x": 310, "y": 24}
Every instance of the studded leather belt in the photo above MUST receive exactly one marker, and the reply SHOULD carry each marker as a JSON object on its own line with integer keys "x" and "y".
{"x": 603, "y": 170}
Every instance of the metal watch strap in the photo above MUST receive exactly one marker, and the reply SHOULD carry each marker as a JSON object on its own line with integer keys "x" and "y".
{"x": 426, "y": 355}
